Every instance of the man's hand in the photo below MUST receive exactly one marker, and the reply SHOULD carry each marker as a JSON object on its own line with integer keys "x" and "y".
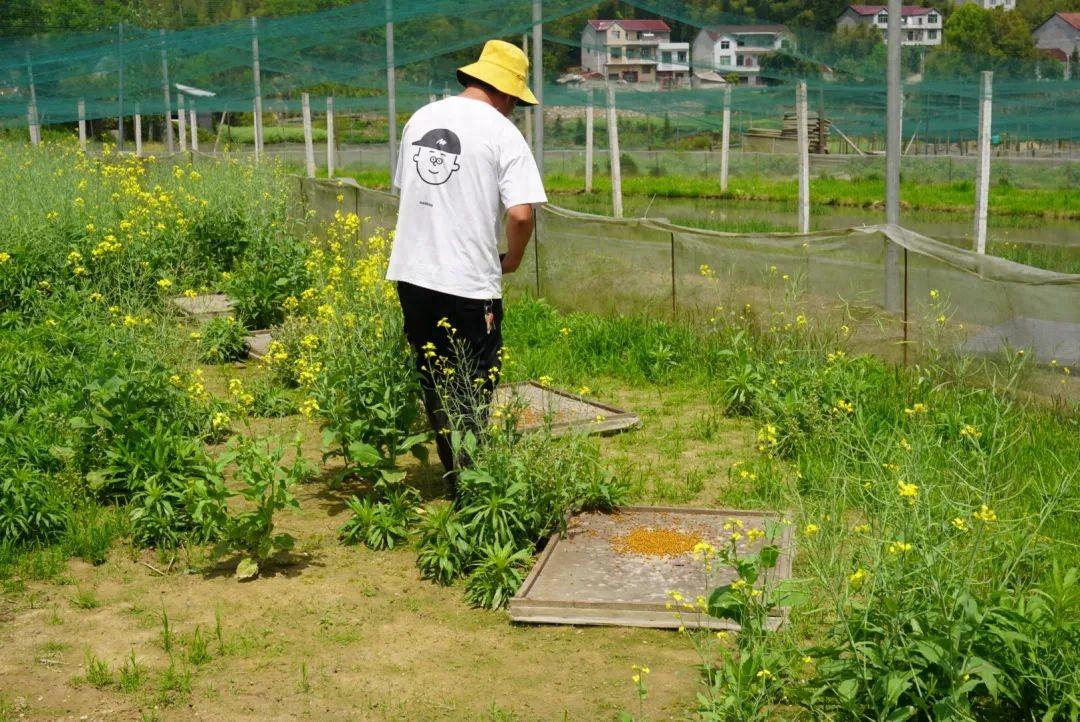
{"x": 519, "y": 228}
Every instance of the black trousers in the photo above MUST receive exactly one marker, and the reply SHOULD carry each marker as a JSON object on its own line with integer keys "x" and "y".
{"x": 456, "y": 342}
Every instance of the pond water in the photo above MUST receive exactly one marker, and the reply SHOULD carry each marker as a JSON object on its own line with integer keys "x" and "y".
{"x": 1050, "y": 244}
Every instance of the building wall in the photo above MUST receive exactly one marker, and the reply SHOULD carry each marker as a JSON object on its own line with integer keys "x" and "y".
{"x": 591, "y": 59}
{"x": 988, "y": 4}
{"x": 916, "y": 30}
{"x": 1056, "y": 33}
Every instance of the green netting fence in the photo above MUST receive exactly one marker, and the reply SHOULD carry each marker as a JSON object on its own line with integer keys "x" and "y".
{"x": 954, "y": 300}
{"x": 342, "y": 52}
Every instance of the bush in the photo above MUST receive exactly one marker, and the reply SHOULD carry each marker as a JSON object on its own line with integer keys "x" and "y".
{"x": 32, "y": 510}
{"x": 269, "y": 272}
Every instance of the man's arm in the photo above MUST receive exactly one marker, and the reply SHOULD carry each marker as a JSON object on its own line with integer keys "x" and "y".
{"x": 519, "y": 228}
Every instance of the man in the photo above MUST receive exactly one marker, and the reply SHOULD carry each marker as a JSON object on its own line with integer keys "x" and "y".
{"x": 463, "y": 165}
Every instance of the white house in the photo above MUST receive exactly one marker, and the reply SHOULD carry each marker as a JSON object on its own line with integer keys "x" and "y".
{"x": 634, "y": 51}
{"x": 721, "y": 50}
{"x": 988, "y": 4}
{"x": 1060, "y": 32}
{"x": 918, "y": 25}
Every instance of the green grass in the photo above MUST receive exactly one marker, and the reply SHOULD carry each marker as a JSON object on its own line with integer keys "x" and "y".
{"x": 855, "y": 193}
{"x": 950, "y": 490}
{"x": 245, "y": 134}
{"x": 956, "y": 197}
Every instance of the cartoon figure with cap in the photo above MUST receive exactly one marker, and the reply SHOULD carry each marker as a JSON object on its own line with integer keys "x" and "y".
{"x": 437, "y": 156}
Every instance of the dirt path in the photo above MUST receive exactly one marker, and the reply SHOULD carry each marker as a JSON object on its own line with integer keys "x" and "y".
{"x": 346, "y": 633}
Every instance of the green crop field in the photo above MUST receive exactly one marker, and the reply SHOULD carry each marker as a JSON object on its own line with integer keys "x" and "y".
{"x": 185, "y": 531}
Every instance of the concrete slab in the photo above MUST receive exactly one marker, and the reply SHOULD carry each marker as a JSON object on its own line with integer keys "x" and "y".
{"x": 258, "y": 343}
{"x": 565, "y": 411}
{"x": 206, "y": 306}
{"x": 589, "y": 576}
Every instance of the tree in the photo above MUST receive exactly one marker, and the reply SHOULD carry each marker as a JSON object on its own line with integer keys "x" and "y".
{"x": 978, "y": 39}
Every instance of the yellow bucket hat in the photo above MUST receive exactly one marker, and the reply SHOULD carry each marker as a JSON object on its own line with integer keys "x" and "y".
{"x": 504, "y": 67}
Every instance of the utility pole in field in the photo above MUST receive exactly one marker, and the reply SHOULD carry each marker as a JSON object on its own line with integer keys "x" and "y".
{"x": 893, "y": 141}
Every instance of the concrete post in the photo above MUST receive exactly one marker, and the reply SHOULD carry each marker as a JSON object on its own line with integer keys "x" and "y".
{"x": 982, "y": 173}
{"x": 893, "y": 141}
{"x": 309, "y": 146}
{"x": 804, "y": 156}
{"x": 168, "y": 95}
{"x": 257, "y": 76}
{"x": 391, "y": 89}
{"x": 613, "y": 154}
{"x": 330, "y": 138}
{"x": 725, "y": 140}
{"x": 589, "y": 144}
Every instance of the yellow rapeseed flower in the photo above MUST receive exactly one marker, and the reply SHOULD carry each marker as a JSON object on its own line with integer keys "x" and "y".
{"x": 858, "y": 577}
{"x": 810, "y": 529}
{"x": 970, "y": 431}
{"x": 899, "y": 547}
{"x": 907, "y": 491}
{"x": 309, "y": 407}
{"x": 959, "y": 524}
{"x": 985, "y": 514}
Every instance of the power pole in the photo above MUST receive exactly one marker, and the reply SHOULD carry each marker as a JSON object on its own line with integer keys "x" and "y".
{"x": 893, "y": 141}
{"x": 257, "y": 75}
{"x": 120, "y": 104}
{"x": 538, "y": 83}
{"x": 168, "y": 95}
{"x": 982, "y": 173}
{"x": 391, "y": 89}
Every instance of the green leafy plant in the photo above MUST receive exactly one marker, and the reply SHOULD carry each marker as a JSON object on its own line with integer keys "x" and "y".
{"x": 444, "y": 544}
{"x": 383, "y": 524}
{"x": 132, "y": 675}
{"x": 265, "y": 486}
{"x": 497, "y": 576}
{"x": 197, "y": 652}
{"x": 96, "y": 671}
{"x": 221, "y": 340}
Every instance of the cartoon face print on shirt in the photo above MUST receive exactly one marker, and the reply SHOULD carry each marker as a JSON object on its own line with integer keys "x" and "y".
{"x": 437, "y": 156}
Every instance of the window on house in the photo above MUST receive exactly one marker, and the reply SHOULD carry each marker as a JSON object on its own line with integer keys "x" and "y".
{"x": 739, "y": 60}
{"x": 725, "y": 60}
{"x": 932, "y": 18}
{"x": 883, "y": 18}
{"x": 725, "y": 44}
{"x": 931, "y": 34}
{"x": 681, "y": 57}
{"x": 617, "y": 34}
{"x": 616, "y": 53}
{"x": 910, "y": 35}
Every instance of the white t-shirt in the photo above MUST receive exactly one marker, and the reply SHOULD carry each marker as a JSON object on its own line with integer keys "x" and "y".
{"x": 461, "y": 165}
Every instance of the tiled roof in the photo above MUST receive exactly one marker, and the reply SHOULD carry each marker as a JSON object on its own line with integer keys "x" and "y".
{"x": 1071, "y": 18}
{"x": 655, "y": 26}
{"x": 905, "y": 11}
